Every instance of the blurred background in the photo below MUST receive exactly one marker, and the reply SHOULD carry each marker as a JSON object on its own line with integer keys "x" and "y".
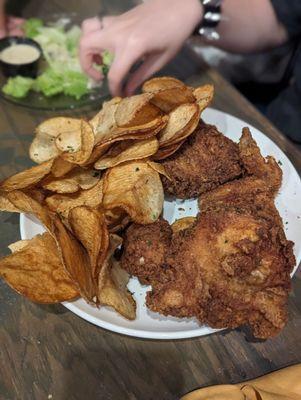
{"x": 260, "y": 77}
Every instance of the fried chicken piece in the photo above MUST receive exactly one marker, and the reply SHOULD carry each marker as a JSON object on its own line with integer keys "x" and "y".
{"x": 206, "y": 160}
{"x": 255, "y": 192}
{"x": 228, "y": 269}
{"x": 231, "y": 266}
{"x": 249, "y": 195}
{"x": 145, "y": 249}
{"x": 256, "y": 165}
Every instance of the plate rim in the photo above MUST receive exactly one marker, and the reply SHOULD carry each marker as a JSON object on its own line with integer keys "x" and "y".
{"x": 203, "y": 330}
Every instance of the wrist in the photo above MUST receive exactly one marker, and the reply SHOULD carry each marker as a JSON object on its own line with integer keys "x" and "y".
{"x": 197, "y": 11}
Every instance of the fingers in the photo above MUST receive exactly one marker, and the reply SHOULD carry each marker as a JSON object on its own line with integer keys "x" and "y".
{"x": 108, "y": 21}
{"x": 2, "y": 25}
{"x": 14, "y": 22}
{"x": 123, "y": 61}
{"x": 15, "y": 32}
{"x": 2, "y": 32}
{"x": 151, "y": 65}
{"x": 86, "y": 55}
{"x": 90, "y": 25}
{"x": 97, "y": 23}
{"x": 91, "y": 44}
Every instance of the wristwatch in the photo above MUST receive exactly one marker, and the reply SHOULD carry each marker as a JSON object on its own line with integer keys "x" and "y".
{"x": 211, "y": 19}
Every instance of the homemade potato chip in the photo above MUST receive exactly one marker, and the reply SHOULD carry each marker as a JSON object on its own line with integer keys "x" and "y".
{"x": 135, "y": 110}
{"x": 113, "y": 290}
{"x": 6, "y": 204}
{"x": 98, "y": 151}
{"x": 158, "y": 168}
{"x": 35, "y": 270}
{"x": 89, "y": 226}
{"x": 19, "y": 245}
{"x": 116, "y": 219}
{"x": 139, "y": 131}
{"x": 76, "y": 261}
{"x": 127, "y": 151}
{"x": 160, "y": 83}
{"x": 112, "y": 284}
{"x": 169, "y": 99}
{"x": 61, "y": 167}
{"x": 182, "y": 223}
{"x": 77, "y": 179}
{"x": 25, "y": 203}
{"x": 37, "y": 194}
{"x": 182, "y": 122}
{"x": 26, "y": 178}
{"x": 80, "y": 155}
{"x": 136, "y": 187}
{"x": 76, "y": 256}
{"x": 104, "y": 122}
{"x": 164, "y": 152}
{"x": 204, "y": 95}
{"x": 71, "y": 140}
{"x": 43, "y": 147}
{"x": 63, "y": 203}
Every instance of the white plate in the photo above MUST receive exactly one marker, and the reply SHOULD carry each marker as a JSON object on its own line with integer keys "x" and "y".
{"x": 154, "y": 326}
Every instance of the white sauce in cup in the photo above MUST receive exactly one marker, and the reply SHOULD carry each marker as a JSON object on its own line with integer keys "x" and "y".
{"x": 19, "y": 54}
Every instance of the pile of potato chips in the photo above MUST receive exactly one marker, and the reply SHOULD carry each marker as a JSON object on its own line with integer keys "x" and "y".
{"x": 91, "y": 179}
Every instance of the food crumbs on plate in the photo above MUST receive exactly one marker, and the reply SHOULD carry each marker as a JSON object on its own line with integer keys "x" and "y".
{"x": 181, "y": 209}
{"x": 279, "y": 162}
{"x": 71, "y": 149}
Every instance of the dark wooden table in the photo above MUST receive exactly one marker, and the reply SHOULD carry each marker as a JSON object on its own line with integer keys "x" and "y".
{"x": 49, "y": 353}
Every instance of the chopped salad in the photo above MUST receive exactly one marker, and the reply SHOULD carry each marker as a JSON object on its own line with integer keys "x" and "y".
{"x": 62, "y": 72}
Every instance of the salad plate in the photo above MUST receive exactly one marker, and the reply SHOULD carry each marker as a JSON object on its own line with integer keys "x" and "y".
{"x": 60, "y": 85}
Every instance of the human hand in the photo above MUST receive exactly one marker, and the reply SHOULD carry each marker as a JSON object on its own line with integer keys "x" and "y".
{"x": 152, "y": 32}
{"x": 10, "y": 26}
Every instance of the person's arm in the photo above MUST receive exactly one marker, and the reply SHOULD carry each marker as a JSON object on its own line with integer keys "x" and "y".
{"x": 249, "y": 26}
{"x": 2, "y": 19}
{"x": 9, "y": 25}
{"x": 156, "y": 30}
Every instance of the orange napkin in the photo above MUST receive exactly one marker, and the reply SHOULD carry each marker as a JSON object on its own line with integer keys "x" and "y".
{"x": 284, "y": 384}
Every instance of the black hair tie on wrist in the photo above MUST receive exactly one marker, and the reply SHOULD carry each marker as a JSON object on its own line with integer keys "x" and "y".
{"x": 211, "y": 19}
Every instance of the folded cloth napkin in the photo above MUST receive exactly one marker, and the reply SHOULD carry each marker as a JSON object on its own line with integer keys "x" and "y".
{"x": 284, "y": 384}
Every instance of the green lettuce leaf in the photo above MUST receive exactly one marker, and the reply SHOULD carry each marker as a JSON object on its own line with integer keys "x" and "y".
{"x": 73, "y": 36}
{"x": 49, "y": 83}
{"x": 31, "y": 27}
{"x": 18, "y": 86}
{"x": 107, "y": 59}
{"x": 75, "y": 84}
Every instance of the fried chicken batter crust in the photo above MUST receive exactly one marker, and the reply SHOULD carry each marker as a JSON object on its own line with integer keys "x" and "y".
{"x": 145, "y": 250}
{"x": 228, "y": 270}
{"x": 206, "y": 160}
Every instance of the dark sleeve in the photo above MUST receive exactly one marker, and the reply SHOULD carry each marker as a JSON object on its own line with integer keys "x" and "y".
{"x": 15, "y": 7}
{"x": 289, "y": 14}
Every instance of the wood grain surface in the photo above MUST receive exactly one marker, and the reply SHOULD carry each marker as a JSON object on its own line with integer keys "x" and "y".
{"x": 46, "y": 352}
